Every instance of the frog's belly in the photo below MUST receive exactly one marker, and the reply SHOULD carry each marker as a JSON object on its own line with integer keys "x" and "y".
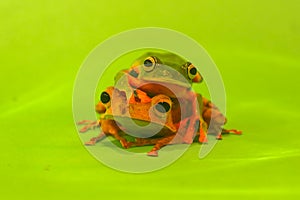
{"x": 142, "y": 129}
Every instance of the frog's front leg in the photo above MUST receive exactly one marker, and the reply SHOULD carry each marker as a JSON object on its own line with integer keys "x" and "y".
{"x": 89, "y": 125}
{"x": 157, "y": 142}
{"x": 192, "y": 120}
{"x": 202, "y": 131}
{"x": 94, "y": 140}
{"x": 109, "y": 127}
{"x": 200, "y": 128}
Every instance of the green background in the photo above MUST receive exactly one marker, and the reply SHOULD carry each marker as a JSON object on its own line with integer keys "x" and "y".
{"x": 255, "y": 45}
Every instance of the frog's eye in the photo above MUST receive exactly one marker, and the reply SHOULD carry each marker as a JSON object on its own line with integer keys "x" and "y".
{"x": 191, "y": 71}
{"x": 105, "y": 98}
{"x": 162, "y": 108}
{"x": 149, "y": 63}
{"x": 161, "y": 105}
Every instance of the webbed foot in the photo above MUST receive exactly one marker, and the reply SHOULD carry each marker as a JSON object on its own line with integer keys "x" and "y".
{"x": 152, "y": 153}
{"x": 231, "y": 131}
{"x": 94, "y": 140}
{"x": 89, "y": 125}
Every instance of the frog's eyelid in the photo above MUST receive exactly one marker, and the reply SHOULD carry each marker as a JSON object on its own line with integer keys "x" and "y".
{"x": 185, "y": 66}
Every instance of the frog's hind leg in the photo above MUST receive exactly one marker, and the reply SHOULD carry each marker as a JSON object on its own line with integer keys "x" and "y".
{"x": 213, "y": 117}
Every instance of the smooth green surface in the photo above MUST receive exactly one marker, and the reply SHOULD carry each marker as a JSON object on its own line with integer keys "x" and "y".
{"x": 256, "y": 46}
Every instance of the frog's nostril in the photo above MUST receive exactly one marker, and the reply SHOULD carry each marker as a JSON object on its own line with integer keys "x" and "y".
{"x": 162, "y": 107}
{"x": 105, "y": 98}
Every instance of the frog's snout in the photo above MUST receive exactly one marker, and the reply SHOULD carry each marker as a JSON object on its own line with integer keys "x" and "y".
{"x": 100, "y": 108}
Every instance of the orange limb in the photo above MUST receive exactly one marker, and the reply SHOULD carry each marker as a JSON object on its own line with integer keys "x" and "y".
{"x": 203, "y": 132}
{"x": 94, "y": 140}
{"x": 157, "y": 142}
{"x": 190, "y": 133}
{"x": 232, "y": 131}
{"x": 109, "y": 127}
{"x": 89, "y": 125}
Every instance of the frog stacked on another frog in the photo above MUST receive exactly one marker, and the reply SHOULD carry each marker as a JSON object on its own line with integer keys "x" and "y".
{"x": 166, "y": 76}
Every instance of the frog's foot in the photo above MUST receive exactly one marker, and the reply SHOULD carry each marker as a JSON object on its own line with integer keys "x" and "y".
{"x": 231, "y": 131}
{"x": 219, "y": 136}
{"x": 125, "y": 144}
{"x": 152, "y": 153}
{"x": 89, "y": 125}
{"x": 225, "y": 131}
{"x": 94, "y": 140}
{"x": 84, "y": 122}
{"x": 160, "y": 143}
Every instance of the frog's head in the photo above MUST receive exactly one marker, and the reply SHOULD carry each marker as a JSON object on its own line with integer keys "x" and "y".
{"x": 155, "y": 72}
{"x": 165, "y": 67}
{"x": 142, "y": 118}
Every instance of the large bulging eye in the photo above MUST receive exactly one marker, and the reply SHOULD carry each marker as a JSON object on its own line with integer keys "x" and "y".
{"x": 191, "y": 71}
{"x": 149, "y": 63}
{"x": 162, "y": 107}
{"x": 105, "y": 98}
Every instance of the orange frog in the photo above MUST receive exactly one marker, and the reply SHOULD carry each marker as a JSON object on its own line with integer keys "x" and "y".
{"x": 152, "y": 121}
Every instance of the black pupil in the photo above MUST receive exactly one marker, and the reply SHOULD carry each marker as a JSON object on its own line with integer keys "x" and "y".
{"x": 105, "y": 97}
{"x": 193, "y": 71}
{"x": 148, "y": 63}
{"x": 162, "y": 107}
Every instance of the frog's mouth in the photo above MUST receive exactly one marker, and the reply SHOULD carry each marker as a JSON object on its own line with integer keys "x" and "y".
{"x": 159, "y": 86}
{"x": 163, "y": 75}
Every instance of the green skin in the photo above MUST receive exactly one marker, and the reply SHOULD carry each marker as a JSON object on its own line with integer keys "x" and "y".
{"x": 168, "y": 59}
{"x": 170, "y": 70}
